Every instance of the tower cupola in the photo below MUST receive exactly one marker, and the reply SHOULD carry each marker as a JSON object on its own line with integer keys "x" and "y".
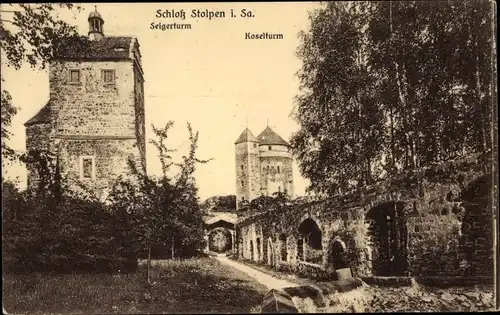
{"x": 95, "y": 25}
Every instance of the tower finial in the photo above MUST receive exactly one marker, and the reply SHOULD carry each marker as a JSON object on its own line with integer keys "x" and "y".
{"x": 95, "y": 25}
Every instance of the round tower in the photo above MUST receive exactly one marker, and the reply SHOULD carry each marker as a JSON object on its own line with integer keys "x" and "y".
{"x": 275, "y": 164}
{"x": 247, "y": 167}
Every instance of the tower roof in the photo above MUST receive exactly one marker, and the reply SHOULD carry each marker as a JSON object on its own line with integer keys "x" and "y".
{"x": 42, "y": 117}
{"x": 95, "y": 15}
{"x": 246, "y": 136}
{"x": 268, "y": 137}
{"x": 109, "y": 47}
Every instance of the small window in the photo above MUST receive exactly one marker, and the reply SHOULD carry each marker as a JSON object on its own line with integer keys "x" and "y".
{"x": 278, "y": 169}
{"x": 241, "y": 167}
{"x": 108, "y": 76}
{"x": 242, "y": 198}
{"x": 87, "y": 167}
{"x": 242, "y": 183}
{"x": 270, "y": 147}
{"x": 254, "y": 145}
{"x": 74, "y": 76}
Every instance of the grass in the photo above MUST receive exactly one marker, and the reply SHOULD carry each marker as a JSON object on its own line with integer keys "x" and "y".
{"x": 192, "y": 286}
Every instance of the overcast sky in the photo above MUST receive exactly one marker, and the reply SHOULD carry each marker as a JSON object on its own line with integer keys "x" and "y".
{"x": 209, "y": 75}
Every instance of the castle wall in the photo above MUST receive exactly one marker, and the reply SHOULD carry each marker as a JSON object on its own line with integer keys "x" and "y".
{"x": 434, "y": 230}
{"x": 110, "y": 156}
{"x": 93, "y": 119}
{"x": 92, "y": 107}
{"x": 247, "y": 171}
{"x": 38, "y": 137}
{"x": 273, "y": 181}
{"x": 140, "y": 128}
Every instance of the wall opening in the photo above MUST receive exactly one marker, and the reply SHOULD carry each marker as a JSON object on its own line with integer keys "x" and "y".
{"x": 388, "y": 239}
{"x": 312, "y": 248}
{"x": 283, "y": 249}
{"x": 251, "y": 250}
{"x": 220, "y": 240}
{"x": 300, "y": 249}
{"x": 337, "y": 257}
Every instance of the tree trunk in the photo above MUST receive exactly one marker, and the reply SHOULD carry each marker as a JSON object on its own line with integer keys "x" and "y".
{"x": 482, "y": 110}
{"x": 149, "y": 264}
{"x": 393, "y": 149}
{"x": 402, "y": 99}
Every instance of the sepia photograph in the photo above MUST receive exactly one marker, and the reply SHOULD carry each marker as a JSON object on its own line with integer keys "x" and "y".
{"x": 249, "y": 157}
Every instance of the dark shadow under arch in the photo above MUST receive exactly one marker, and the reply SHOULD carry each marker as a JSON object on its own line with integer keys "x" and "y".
{"x": 337, "y": 254}
{"x": 220, "y": 240}
{"x": 309, "y": 244}
{"x": 388, "y": 238}
{"x": 283, "y": 247}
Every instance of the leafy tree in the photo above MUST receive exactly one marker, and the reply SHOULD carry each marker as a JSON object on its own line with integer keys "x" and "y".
{"x": 54, "y": 228}
{"x": 29, "y": 34}
{"x": 165, "y": 209}
{"x": 219, "y": 203}
{"x": 391, "y": 86}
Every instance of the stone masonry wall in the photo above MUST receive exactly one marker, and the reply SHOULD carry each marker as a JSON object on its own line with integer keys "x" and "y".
{"x": 91, "y": 107}
{"x": 38, "y": 137}
{"x": 440, "y": 230}
{"x": 140, "y": 115}
{"x": 270, "y": 178}
{"x": 247, "y": 171}
{"x": 110, "y": 161}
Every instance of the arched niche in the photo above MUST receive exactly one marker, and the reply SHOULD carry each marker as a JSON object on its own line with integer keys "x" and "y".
{"x": 387, "y": 238}
{"x": 309, "y": 243}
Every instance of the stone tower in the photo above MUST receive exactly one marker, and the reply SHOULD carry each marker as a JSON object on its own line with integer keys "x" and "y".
{"x": 247, "y": 167}
{"x": 276, "y": 164}
{"x": 94, "y": 119}
{"x": 263, "y": 165}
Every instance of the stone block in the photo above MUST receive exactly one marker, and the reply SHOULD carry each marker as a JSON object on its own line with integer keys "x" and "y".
{"x": 344, "y": 273}
{"x": 277, "y": 301}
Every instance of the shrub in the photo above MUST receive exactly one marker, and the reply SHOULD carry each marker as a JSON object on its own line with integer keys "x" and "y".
{"x": 66, "y": 235}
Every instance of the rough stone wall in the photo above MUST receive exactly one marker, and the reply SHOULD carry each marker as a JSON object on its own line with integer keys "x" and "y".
{"x": 437, "y": 225}
{"x": 140, "y": 128}
{"x": 271, "y": 179}
{"x": 110, "y": 161}
{"x": 91, "y": 118}
{"x": 91, "y": 107}
{"x": 476, "y": 243}
{"x": 247, "y": 171}
{"x": 38, "y": 137}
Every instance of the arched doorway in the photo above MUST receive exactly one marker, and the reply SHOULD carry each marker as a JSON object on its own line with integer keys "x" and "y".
{"x": 309, "y": 244}
{"x": 283, "y": 247}
{"x": 220, "y": 240}
{"x": 388, "y": 239}
{"x": 337, "y": 254}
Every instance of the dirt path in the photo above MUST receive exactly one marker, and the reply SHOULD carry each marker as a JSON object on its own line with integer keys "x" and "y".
{"x": 269, "y": 281}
